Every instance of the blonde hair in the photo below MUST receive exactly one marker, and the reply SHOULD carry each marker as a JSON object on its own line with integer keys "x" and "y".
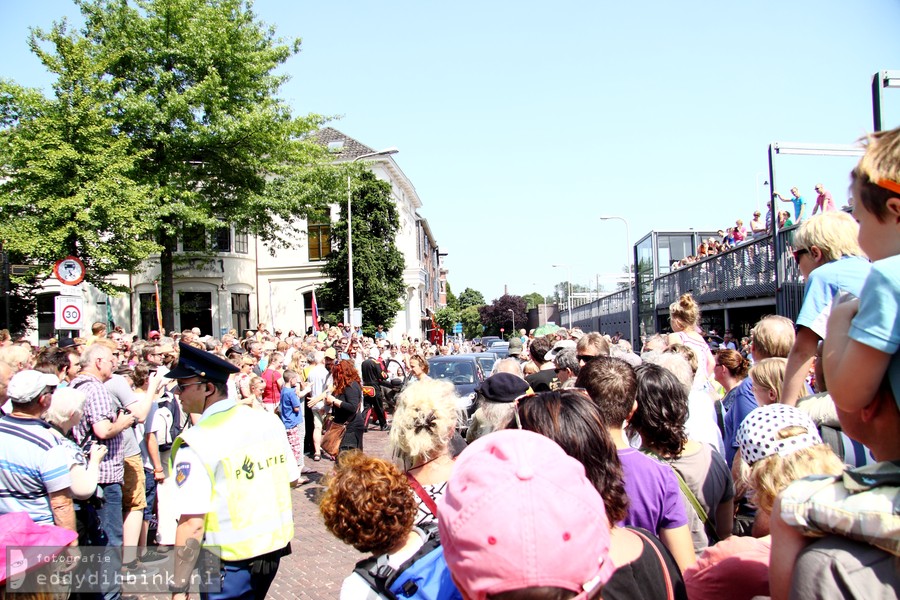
{"x": 835, "y": 233}
{"x": 769, "y": 374}
{"x": 882, "y": 157}
{"x": 64, "y": 403}
{"x": 16, "y": 357}
{"x": 773, "y": 336}
{"x": 769, "y": 476}
{"x": 424, "y": 421}
{"x": 686, "y": 311}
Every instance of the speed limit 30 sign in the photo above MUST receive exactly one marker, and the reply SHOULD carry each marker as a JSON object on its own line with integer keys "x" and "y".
{"x": 69, "y": 312}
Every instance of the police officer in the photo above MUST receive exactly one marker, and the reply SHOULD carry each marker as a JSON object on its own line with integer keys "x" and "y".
{"x": 233, "y": 472}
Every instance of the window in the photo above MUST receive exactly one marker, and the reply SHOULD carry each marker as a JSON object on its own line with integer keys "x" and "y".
{"x": 240, "y": 242}
{"x": 149, "y": 319}
{"x": 223, "y": 239}
{"x": 319, "y": 241}
{"x": 196, "y": 311}
{"x": 193, "y": 238}
{"x": 46, "y": 313}
{"x": 240, "y": 312}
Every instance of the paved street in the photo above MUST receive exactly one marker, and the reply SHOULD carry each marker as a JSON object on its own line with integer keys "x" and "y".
{"x": 319, "y": 562}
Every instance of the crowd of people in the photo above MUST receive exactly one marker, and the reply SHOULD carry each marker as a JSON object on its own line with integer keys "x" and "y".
{"x": 588, "y": 469}
{"x": 732, "y": 236}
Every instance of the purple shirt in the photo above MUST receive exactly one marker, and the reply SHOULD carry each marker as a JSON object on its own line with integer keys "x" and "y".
{"x": 99, "y": 406}
{"x": 654, "y": 497}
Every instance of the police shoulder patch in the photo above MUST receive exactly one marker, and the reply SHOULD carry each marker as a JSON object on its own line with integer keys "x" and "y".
{"x": 182, "y": 471}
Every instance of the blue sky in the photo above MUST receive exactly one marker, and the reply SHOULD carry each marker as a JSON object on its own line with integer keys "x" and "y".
{"x": 519, "y": 123}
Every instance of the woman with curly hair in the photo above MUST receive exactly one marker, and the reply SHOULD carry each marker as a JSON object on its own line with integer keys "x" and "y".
{"x": 662, "y": 409}
{"x": 424, "y": 423}
{"x": 345, "y": 401}
{"x": 369, "y": 505}
{"x": 573, "y": 421}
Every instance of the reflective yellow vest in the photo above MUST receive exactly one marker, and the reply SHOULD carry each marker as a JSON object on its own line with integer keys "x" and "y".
{"x": 245, "y": 453}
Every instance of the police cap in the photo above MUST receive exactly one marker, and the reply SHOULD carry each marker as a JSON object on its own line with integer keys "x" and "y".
{"x": 193, "y": 362}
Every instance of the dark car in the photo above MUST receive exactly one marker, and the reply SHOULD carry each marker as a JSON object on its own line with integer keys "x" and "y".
{"x": 486, "y": 360}
{"x": 500, "y": 348}
{"x": 463, "y": 371}
{"x": 487, "y": 340}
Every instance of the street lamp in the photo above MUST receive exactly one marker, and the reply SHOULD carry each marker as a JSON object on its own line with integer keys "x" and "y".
{"x": 569, "y": 281}
{"x": 513, "y": 313}
{"x": 628, "y": 264}
{"x": 385, "y": 152}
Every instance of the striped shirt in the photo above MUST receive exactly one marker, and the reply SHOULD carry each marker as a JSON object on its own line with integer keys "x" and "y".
{"x": 33, "y": 463}
{"x": 99, "y": 406}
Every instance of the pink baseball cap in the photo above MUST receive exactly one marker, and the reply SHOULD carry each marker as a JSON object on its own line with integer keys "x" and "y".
{"x": 518, "y": 512}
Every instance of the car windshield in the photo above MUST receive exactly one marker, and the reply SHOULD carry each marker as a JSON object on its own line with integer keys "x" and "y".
{"x": 487, "y": 363}
{"x": 457, "y": 372}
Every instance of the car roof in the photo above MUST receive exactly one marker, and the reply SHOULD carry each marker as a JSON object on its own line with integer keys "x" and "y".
{"x": 454, "y": 358}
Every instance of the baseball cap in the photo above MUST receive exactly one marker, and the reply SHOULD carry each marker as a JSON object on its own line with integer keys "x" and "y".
{"x": 559, "y": 536}
{"x": 515, "y": 346}
{"x": 758, "y": 434}
{"x": 559, "y": 347}
{"x": 26, "y": 385}
{"x": 331, "y": 353}
{"x": 29, "y": 545}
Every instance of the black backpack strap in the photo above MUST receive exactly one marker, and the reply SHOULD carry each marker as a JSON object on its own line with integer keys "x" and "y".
{"x": 378, "y": 574}
{"x": 832, "y": 437}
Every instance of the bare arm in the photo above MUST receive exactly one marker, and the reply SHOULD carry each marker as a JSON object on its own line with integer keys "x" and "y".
{"x": 798, "y": 364}
{"x": 787, "y": 543}
{"x": 678, "y": 541}
{"x": 107, "y": 429}
{"x": 725, "y": 519}
{"x": 853, "y": 371}
{"x": 188, "y": 537}
{"x": 63, "y": 509}
{"x": 84, "y": 479}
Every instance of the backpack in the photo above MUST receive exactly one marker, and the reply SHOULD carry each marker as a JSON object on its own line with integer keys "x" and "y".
{"x": 169, "y": 410}
{"x": 424, "y": 575}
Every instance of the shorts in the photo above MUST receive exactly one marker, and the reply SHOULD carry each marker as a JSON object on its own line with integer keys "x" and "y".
{"x": 134, "y": 496}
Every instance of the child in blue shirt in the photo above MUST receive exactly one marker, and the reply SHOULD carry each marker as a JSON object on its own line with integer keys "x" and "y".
{"x": 864, "y": 334}
{"x": 291, "y": 409}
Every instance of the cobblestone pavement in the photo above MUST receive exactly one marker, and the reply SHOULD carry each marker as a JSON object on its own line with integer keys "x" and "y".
{"x": 319, "y": 562}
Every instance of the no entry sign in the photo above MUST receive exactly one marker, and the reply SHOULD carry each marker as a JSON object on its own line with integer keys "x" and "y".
{"x": 69, "y": 312}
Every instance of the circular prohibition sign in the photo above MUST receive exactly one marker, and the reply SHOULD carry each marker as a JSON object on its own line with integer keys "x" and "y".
{"x": 71, "y": 314}
{"x": 69, "y": 271}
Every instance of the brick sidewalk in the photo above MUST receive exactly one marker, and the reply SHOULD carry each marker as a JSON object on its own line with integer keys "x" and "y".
{"x": 319, "y": 562}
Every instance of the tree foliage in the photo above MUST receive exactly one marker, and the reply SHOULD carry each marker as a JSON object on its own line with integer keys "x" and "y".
{"x": 471, "y": 320}
{"x": 166, "y": 118}
{"x": 532, "y": 300}
{"x": 377, "y": 263}
{"x": 470, "y": 297}
{"x": 452, "y": 300}
{"x": 446, "y": 318}
{"x": 497, "y": 314}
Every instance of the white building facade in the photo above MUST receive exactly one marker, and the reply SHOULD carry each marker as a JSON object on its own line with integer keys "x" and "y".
{"x": 242, "y": 283}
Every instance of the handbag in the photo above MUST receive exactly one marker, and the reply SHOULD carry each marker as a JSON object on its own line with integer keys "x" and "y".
{"x": 334, "y": 435}
{"x": 670, "y": 592}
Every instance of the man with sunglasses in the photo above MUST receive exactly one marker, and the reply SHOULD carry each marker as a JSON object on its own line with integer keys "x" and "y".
{"x": 590, "y": 347}
{"x": 234, "y": 470}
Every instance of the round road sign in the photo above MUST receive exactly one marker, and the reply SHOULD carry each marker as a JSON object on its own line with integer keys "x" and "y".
{"x": 69, "y": 271}
{"x": 71, "y": 314}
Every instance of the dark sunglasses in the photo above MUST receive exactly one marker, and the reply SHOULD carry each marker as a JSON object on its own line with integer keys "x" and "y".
{"x": 798, "y": 253}
{"x": 585, "y": 357}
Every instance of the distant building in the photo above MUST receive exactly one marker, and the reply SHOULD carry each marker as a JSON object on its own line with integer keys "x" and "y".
{"x": 243, "y": 284}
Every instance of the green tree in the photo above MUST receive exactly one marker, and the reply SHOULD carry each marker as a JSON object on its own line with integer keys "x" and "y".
{"x": 377, "y": 263}
{"x": 470, "y": 297}
{"x": 471, "y": 320}
{"x": 532, "y": 300}
{"x": 452, "y": 301}
{"x": 196, "y": 137}
{"x": 446, "y": 318}
{"x": 72, "y": 180}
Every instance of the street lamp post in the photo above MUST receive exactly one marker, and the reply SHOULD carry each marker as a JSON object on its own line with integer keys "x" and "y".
{"x": 385, "y": 152}
{"x": 628, "y": 264}
{"x": 513, "y": 313}
{"x": 569, "y": 281}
